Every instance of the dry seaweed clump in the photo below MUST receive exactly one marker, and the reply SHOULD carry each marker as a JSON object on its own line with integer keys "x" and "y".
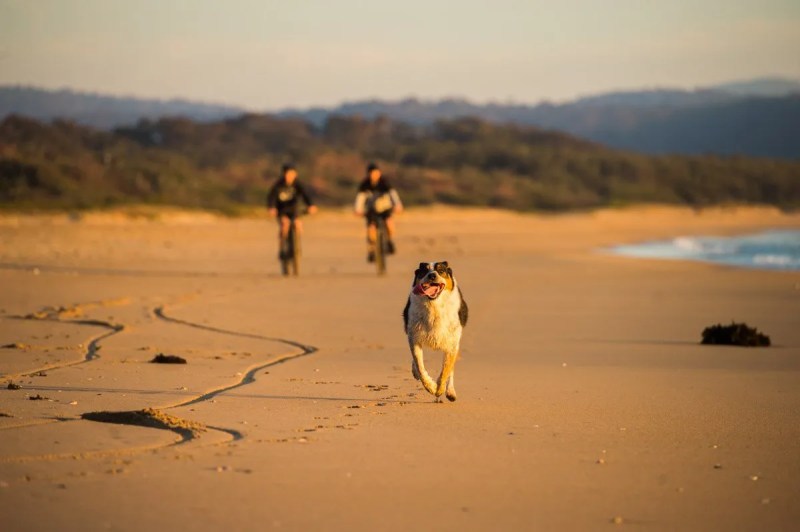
{"x": 161, "y": 358}
{"x": 734, "y": 334}
{"x": 149, "y": 417}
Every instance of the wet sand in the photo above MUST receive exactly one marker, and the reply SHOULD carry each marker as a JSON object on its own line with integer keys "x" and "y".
{"x": 585, "y": 401}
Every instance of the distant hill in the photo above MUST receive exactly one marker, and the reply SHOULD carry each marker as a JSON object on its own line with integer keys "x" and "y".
{"x": 759, "y": 117}
{"x": 763, "y": 127}
{"x": 773, "y": 86}
{"x": 102, "y": 111}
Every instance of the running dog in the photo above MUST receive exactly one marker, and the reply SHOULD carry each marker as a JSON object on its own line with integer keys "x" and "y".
{"x": 434, "y": 317}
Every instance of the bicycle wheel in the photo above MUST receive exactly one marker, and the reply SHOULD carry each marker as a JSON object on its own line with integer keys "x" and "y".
{"x": 284, "y": 260}
{"x": 294, "y": 239}
{"x": 286, "y": 252}
{"x": 380, "y": 247}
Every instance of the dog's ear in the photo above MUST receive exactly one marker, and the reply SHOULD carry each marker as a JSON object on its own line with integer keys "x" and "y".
{"x": 446, "y": 271}
{"x": 441, "y": 267}
{"x": 420, "y": 272}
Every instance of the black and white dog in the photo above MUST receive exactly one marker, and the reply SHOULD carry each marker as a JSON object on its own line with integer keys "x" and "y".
{"x": 434, "y": 317}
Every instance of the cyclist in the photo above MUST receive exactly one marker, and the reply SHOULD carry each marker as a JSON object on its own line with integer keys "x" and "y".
{"x": 283, "y": 199}
{"x": 377, "y": 198}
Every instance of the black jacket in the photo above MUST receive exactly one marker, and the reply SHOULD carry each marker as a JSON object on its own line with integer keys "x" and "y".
{"x": 381, "y": 187}
{"x": 284, "y": 197}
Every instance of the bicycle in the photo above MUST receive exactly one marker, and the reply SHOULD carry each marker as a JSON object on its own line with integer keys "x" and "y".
{"x": 381, "y": 245}
{"x": 290, "y": 249}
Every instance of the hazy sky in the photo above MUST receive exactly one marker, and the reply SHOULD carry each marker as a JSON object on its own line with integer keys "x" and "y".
{"x": 275, "y": 54}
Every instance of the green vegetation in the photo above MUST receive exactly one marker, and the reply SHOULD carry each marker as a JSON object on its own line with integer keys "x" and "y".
{"x": 229, "y": 165}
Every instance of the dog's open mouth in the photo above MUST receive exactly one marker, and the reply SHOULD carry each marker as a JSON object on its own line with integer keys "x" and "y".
{"x": 432, "y": 290}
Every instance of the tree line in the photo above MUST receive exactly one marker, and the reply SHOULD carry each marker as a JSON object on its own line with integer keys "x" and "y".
{"x": 228, "y": 165}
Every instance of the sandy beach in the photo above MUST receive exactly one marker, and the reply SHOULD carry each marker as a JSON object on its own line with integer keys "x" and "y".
{"x": 585, "y": 399}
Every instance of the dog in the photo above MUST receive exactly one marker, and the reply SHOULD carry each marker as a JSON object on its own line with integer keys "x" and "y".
{"x": 434, "y": 317}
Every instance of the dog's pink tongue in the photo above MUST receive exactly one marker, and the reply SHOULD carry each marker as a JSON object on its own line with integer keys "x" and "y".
{"x": 429, "y": 291}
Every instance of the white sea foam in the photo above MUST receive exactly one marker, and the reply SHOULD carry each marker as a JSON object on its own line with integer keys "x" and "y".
{"x": 779, "y": 260}
{"x": 775, "y": 250}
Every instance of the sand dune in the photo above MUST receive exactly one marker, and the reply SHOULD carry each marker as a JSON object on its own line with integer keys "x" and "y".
{"x": 585, "y": 401}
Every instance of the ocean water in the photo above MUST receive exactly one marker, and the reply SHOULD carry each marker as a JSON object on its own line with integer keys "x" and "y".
{"x": 770, "y": 250}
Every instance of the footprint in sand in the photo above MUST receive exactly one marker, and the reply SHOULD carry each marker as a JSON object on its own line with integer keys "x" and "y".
{"x": 373, "y": 387}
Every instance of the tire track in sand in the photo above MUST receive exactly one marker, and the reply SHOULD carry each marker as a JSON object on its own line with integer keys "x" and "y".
{"x": 185, "y": 437}
{"x": 249, "y": 376}
{"x": 92, "y": 347}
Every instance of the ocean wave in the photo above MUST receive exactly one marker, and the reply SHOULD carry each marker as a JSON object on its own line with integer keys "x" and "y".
{"x": 768, "y": 250}
{"x": 779, "y": 260}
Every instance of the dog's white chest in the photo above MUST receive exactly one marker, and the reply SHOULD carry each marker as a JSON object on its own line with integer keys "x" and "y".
{"x": 435, "y": 324}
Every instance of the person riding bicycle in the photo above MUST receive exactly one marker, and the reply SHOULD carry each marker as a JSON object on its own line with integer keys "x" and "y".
{"x": 283, "y": 199}
{"x": 376, "y": 199}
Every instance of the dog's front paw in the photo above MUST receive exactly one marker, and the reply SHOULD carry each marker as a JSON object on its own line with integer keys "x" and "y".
{"x": 451, "y": 395}
{"x": 429, "y": 385}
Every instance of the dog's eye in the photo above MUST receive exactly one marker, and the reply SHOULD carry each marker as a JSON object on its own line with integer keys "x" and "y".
{"x": 441, "y": 268}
